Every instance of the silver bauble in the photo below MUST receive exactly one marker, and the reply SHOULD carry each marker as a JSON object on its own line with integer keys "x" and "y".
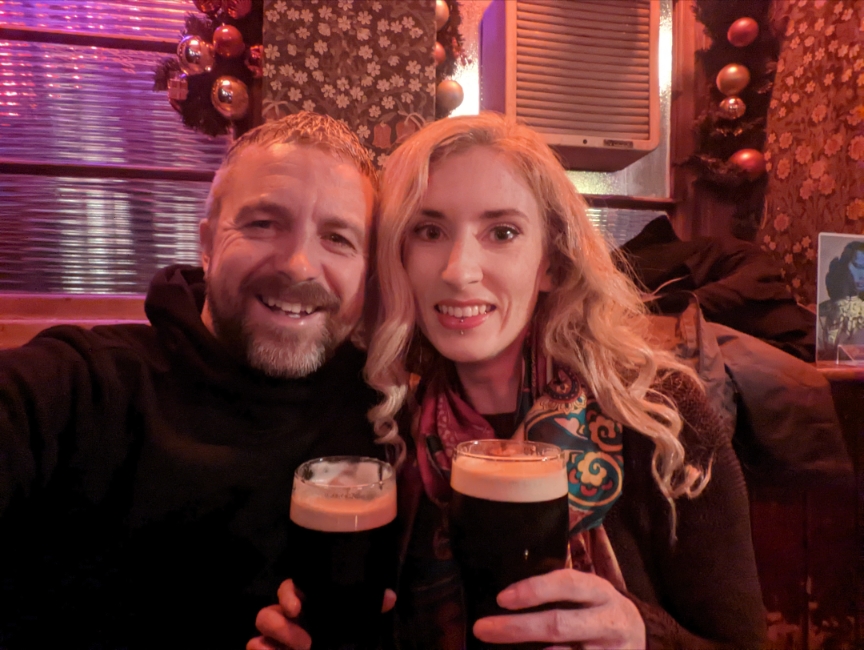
{"x": 195, "y": 55}
{"x": 230, "y": 97}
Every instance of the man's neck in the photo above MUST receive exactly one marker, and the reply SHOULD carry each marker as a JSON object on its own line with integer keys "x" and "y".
{"x": 493, "y": 386}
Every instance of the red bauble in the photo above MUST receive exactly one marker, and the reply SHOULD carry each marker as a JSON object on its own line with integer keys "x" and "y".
{"x": 439, "y": 53}
{"x": 750, "y": 161}
{"x": 743, "y": 32}
{"x": 238, "y": 8}
{"x": 228, "y": 41}
{"x": 449, "y": 95}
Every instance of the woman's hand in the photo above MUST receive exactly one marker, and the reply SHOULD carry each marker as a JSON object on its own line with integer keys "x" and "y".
{"x": 605, "y": 618}
{"x": 278, "y": 625}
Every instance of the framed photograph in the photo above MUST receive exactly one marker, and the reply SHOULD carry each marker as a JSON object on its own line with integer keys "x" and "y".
{"x": 840, "y": 299}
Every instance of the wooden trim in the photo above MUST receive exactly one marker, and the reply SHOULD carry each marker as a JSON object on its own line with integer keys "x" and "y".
{"x": 112, "y": 41}
{"x": 619, "y": 202}
{"x": 91, "y": 170}
{"x": 36, "y": 306}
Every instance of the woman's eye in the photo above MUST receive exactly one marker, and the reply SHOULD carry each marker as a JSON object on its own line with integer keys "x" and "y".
{"x": 504, "y": 233}
{"x": 428, "y": 232}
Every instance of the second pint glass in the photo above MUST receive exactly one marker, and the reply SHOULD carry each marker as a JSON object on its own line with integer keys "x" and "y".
{"x": 508, "y": 518}
{"x": 343, "y": 509}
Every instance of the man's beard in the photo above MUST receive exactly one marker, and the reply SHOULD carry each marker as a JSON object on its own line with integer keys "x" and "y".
{"x": 277, "y": 351}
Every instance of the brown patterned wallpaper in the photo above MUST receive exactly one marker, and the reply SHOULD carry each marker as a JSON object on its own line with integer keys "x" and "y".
{"x": 366, "y": 62}
{"x": 815, "y": 147}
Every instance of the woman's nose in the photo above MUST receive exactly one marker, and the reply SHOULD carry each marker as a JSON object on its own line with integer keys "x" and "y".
{"x": 463, "y": 264}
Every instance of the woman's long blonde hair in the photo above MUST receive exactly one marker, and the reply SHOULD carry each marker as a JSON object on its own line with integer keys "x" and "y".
{"x": 592, "y": 321}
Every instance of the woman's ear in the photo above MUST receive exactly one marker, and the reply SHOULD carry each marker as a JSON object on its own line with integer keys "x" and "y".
{"x": 546, "y": 284}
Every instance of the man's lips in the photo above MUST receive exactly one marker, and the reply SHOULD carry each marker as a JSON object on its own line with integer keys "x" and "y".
{"x": 291, "y": 309}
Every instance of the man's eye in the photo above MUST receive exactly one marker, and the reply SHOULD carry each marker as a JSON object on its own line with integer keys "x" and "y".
{"x": 260, "y": 224}
{"x": 504, "y": 233}
{"x": 339, "y": 240}
{"x": 428, "y": 232}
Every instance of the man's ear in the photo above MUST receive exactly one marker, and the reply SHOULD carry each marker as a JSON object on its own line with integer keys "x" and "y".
{"x": 205, "y": 238}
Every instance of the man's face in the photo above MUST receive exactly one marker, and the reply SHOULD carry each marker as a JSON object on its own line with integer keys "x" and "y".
{"x": 285, "y": 260}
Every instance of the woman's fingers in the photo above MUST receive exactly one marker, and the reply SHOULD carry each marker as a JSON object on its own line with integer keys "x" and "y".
{"x": 389, "y": 601}
{"x": 263, "y": 643}
{"x": 565, "y": 585}
{"x": 289, "y": 599}
{"x": 271, "y": 622}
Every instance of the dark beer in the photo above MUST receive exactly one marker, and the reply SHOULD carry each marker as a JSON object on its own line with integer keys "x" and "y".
{"x": 508, "y": 518}
{"x": 343, "y": 511}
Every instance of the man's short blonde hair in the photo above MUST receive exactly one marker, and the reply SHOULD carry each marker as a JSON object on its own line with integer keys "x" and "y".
{"x": 305, "y": 128}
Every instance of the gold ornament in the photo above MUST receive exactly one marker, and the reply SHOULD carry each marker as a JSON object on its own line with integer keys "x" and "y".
{"x": 210, "y": 7}
{"x": 732, "y": 79}
{"x": 750, "y": 161}
{"x": 449, "y": 95}
{"x": 238, "y": 8}
{"x": 442, "y": 14}
{"x": 255, "y": 60}
{"x": 228, "y": 41}
{"x": 195, "y": 55}
{"x": 230, "y": 97}
{"x": 743, "y": 32}
{"x": 732, "y": 108}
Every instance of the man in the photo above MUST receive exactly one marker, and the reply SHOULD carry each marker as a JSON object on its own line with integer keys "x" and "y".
{"x": 145, "y": 471}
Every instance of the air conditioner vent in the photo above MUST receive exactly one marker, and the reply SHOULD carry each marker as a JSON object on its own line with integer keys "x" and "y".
{"x": 583, "y": 73}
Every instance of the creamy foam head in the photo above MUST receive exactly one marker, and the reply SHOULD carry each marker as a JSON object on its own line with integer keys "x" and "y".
{"x": 343, "y": 496}
{"x": 516, "y": 479}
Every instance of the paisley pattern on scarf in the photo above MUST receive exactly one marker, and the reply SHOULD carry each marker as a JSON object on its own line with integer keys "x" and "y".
{"x": 565, "y": 415}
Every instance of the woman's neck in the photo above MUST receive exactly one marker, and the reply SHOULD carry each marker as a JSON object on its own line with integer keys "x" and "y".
{"x": 493, "y": 386}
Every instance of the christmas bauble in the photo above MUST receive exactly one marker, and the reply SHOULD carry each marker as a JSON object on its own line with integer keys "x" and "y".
{"x": 238, "y": 8}
{"x": 230, "y": 97}
{"x": 449, "y": 95}
{"x": 732, "y": 108}
{"x": 732, "y": 79}
{"x": 211, "y": 7}
{"x": 743, "y": 32}
{"x": 442, "y": 14}
{"x": 195, "y": 55}
{"x": 750, "y": 161}
{"x": 228, "y": 41}
{"x": 255, "y": 60}
{"x": 439, "y": 53}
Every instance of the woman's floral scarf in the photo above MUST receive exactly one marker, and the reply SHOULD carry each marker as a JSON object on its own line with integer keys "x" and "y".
{"x": 557, "y": 408}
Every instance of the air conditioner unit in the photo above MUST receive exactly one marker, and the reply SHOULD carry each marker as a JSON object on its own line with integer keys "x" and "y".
{"x": 584, "y": 73}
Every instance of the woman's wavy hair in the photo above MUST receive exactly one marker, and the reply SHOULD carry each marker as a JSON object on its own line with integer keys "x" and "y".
{"x": 838, "y": 279}
{"x": 592, "y": 321}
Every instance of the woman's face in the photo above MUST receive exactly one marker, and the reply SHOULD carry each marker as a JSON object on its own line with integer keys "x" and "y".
{"x": 856, "y": 268}
{"x": 475, "y": 256}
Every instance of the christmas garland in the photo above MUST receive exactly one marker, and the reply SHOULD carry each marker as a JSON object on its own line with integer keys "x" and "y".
{"x": 741, "y": 63}
{"x": 219, "y": 58}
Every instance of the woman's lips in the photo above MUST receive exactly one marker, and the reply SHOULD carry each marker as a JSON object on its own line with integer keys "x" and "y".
{"x": 452, "y": 322}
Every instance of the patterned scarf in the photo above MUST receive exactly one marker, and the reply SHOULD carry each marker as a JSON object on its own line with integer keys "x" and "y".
{"x": 558, "y": 409}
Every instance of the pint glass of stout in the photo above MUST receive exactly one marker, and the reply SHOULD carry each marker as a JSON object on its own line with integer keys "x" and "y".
{"x": 343, "y": 510}
{"x": 508, "y": 518}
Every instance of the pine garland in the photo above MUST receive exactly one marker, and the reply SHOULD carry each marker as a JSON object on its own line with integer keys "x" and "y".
{"x": 719, "y": 136}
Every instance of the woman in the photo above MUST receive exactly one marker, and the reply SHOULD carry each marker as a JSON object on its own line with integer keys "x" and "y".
{"x": 497, "y": 292}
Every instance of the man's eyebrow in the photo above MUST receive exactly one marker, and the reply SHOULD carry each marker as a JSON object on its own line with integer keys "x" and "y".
{"x": 273, "y": 209}
{"x": 338, "y": 223}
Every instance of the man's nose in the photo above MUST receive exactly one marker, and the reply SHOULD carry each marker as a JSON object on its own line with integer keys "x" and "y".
{"x": 463, "y": 264}
{"x": 300, "y": 260}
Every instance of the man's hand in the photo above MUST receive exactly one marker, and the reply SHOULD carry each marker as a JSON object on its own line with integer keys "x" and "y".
{"x": 278, "y": 626}
{"x": 605, "y": 619}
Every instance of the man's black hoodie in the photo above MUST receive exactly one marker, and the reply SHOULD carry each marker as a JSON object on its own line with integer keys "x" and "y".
{"x": 145, "y": 478}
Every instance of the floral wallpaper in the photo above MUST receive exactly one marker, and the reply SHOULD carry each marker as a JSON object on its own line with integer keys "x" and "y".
{"x": 815, "y": 146}
{"x": 366, "y": 62}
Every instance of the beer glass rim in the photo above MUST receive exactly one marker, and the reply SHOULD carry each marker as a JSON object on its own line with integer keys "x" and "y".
{"x": 472, "y": 448}
{"x": 385, "y": 468}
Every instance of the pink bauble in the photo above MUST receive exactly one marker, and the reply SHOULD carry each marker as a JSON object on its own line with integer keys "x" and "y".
{"x": 439, "y": 53}
{"x": 228, "y": 41}
{"x": 750, "y": 161}
{"x": 743, "y": 32}
{"x": 442, "y": 14}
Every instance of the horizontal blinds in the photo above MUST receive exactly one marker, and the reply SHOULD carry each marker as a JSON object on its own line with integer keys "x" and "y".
{"x": 81, "y": 235}
{"x": 584, "y": 67}
{"x": 85, "y": 106}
